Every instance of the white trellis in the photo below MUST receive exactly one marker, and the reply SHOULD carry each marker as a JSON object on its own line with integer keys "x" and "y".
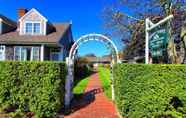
{"x": 70, "y": 61}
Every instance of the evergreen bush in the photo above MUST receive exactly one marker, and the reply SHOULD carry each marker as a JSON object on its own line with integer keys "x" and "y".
{"x": 34, "y": 87}
{"x": 150, "y": 91}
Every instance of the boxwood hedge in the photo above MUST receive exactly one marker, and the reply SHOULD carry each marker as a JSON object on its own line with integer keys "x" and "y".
{"x": 150, "y": 90}
{"x": 32, "y": 87}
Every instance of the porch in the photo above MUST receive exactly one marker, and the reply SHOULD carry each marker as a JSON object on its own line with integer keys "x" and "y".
{"x": 32, "y": 53}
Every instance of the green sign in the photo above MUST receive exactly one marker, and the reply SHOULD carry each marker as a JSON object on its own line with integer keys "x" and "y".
{"x": 158, "y": 42}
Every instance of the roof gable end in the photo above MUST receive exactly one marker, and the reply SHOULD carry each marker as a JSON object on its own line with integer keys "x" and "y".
{"x": 31, "y": 11}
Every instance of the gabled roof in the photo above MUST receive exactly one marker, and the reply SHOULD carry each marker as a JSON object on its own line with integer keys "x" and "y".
{"x": 7, "y": 21}
{"x": 29, "y": 12}
{"x": 13, "y": 37}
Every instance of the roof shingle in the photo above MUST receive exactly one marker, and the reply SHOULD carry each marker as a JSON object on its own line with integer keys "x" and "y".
{"x": 13, "y": 37}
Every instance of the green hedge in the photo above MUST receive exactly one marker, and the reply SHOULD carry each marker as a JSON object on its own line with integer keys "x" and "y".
{"x": 150, "y": 90}
{"x": 35, "y": 87}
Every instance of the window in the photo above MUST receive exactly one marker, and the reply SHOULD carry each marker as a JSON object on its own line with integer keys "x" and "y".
{"x": 32, "y": 28}
{"x": 26, "y": 53}
{"x": 55, "y": 54}
{"x": 20, "y": 53}
{"x": 28, "y": 28}
{"x": 17, "y": 55}
{"x": 36, "y": 28}
{"x": 35, "y": 54}
{"x": 2, "y": 53}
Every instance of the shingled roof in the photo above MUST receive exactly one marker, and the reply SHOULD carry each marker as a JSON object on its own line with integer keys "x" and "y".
{"x": 99, "y": 59}
{"x": 13, "y": 37}
{"x": 7, "y": 21}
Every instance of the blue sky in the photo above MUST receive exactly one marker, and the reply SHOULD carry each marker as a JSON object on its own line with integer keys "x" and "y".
{"x": 84, "y": 14}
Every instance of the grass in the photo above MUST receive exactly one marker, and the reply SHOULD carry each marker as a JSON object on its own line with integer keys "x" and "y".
{"x": 104, "y": 76}
{"x": 80, "y": 86}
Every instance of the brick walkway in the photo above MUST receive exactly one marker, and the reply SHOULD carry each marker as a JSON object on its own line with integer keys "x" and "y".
{"x": 94, "y": 104}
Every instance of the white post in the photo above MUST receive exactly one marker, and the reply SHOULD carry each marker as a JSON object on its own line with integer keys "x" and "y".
{"x": 148, "y": 27}
{"x": 42, "y": 53}
{"x": 112, "y": 86}
{"x": 146, "y": 41}
{"x": 69, "y": 82}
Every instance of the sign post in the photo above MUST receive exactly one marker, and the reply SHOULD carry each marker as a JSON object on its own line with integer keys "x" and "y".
{"x": 159, "y": 37}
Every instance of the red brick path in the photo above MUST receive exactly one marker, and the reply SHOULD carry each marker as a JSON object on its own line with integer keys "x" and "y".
{"x": 99, "y": 106}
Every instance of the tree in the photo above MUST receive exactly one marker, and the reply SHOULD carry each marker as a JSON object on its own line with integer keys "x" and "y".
{"x": 131, "y": 29}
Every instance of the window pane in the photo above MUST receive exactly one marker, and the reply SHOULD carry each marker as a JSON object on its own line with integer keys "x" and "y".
{"x": 55, "y": 56}
{"x": 23, "y": 54}
{"x": 17, "y": 55}
{"x": 37, "y": 28}
{"x": 2, "y": 53}
{"x": 35, "y": 53}
{"x": 28, "y": 28}
{"x": 1, "y": 56}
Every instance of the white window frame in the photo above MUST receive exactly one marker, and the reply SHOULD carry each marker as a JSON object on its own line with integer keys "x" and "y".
{"x": 25, "y": 54}
{"x": 32, "y": 54}
{"x": 2, "y": 49}
{"x": 32, "y": 22}
{"x": 20, "y": 54}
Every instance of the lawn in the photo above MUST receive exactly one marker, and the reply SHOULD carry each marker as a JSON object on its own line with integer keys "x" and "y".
{"x": 104, "y": 76}
{"x": 80, "y": 86}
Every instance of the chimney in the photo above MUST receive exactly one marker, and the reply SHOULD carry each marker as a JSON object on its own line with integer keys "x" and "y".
{"x": 21, "y": 12}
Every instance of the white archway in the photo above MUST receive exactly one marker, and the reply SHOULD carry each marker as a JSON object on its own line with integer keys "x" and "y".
{"x": 70, "y": 61}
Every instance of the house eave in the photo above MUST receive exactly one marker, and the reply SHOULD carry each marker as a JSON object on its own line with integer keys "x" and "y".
{"x": 33, "y": 9}
{"x": 29, "y": 43}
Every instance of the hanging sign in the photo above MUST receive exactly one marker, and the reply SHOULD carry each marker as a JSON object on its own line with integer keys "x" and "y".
{"x": 158, "y": 42}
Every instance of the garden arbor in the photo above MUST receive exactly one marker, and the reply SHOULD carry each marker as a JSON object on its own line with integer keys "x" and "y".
{"x": 72, "y": 55}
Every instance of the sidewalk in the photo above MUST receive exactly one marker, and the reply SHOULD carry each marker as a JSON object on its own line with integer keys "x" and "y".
{"x": 94, "y": 104}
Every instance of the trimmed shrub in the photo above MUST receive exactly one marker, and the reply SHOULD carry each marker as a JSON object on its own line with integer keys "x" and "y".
{"x": 32, "y": 87}
{"x": 150, "y": 90}
{"x": 82, "y": 68}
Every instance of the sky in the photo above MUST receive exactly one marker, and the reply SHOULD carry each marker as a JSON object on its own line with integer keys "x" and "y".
{"x": 85, "y": 16}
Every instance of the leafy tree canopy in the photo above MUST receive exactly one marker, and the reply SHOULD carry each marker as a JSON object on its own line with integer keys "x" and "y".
{"x": 129, "y": 26}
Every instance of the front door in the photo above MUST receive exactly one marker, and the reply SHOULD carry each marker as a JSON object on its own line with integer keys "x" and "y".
{"x": 2, "y": 52}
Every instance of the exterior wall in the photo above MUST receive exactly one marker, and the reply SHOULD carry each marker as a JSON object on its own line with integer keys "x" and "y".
{"x": 47, "y": 54}
{"x": 67, "y": 42}
{"x": 0, "y": 27}
{"x": 9, "y": 53}
{"x": 6, "y": 28}
{"x": 33, "y": 17}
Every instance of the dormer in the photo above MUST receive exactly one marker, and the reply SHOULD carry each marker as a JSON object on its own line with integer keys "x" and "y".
{"x": 32, "y": 23}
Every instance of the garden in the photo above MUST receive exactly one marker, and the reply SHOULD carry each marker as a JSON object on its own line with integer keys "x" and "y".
{"x": 37, "y": 89}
